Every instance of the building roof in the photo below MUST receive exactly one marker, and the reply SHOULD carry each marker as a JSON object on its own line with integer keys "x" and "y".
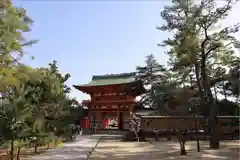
{"x": 144, "y": 112}
{"x": 110, "y": 79}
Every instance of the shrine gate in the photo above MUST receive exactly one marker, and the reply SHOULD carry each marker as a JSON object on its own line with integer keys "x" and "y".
{"x": 113, "y": 98}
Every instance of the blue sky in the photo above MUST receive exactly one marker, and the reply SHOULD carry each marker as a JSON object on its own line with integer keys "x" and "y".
{"x": 94, "y": 37}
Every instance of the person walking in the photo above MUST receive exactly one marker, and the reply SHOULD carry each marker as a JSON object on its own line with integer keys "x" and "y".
{"x": 156, "y": 131}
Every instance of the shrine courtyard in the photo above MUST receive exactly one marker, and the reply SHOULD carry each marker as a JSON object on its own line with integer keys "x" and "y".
{"x": 109, "y": 147}
{"x": 115, "y": 149}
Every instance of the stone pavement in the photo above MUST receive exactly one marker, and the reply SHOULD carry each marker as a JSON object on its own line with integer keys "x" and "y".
{"x": 77, "y": 150}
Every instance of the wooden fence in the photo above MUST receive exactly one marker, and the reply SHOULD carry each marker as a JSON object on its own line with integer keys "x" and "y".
{"x": 226, "y": 124}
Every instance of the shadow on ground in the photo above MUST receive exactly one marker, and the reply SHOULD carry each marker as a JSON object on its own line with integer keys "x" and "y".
{"x": 164, "y": 150}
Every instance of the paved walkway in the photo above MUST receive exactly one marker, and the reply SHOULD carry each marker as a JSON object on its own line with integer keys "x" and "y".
{"x": 77, "y": 150}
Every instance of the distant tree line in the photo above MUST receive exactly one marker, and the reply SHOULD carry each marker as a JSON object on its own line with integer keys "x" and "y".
{"x": 35, "y": 108}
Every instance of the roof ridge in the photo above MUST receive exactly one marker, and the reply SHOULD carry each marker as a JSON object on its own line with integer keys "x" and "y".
{"x": 123, "y": 75}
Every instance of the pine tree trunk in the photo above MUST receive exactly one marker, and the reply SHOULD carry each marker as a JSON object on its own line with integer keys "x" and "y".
{"x": 35, "y": 148}
{"x": 208, "y": 99}
{"x": 198, "y": 145}
{"x": 183, "y": 150}
{"x": 18, "y": 153}
{"x": 197, "y": 137}
{"x": 214, "y": 135}
{"x": 214, "y": 139}
{"x": 12, "y": 150}
{"x": 181, "y": 140}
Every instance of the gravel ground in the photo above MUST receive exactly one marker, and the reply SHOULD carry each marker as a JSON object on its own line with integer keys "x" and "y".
{"x": 113, "y": 149}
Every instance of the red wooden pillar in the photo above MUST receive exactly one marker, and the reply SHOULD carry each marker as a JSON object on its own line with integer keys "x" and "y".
{"x": 89, "y": 119}
{"x": 118, "y": 118}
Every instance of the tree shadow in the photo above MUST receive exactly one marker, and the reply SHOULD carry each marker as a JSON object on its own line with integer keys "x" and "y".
{"x": 164, "y": 150}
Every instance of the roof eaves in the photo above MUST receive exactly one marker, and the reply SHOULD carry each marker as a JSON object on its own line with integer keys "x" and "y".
{"x": 110, "y": 84}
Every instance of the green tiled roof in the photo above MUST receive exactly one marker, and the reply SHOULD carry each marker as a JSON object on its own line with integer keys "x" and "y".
{"x": 110, "y": 79}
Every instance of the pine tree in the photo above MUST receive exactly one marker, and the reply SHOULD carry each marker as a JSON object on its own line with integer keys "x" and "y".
{"x": 196, "y": 43}
{"x": 13, "y": 23}
{"x": 151, "y": 74}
